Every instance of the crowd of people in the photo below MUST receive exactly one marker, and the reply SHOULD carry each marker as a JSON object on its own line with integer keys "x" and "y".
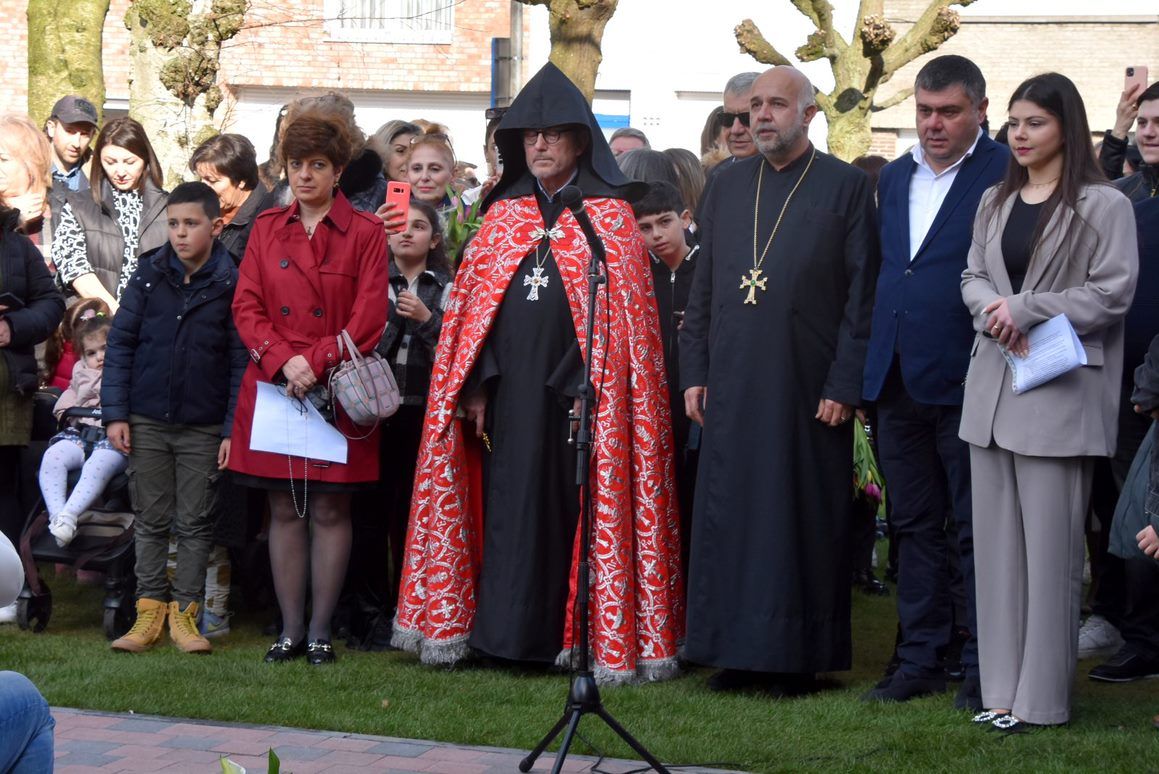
{"x": 724, "y": 383}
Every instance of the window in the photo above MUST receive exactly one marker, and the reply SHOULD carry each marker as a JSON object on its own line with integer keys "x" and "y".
{"x": 391, "y": 21}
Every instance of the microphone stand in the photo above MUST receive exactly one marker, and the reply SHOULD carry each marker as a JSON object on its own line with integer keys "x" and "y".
{"x": 584, "y": 695}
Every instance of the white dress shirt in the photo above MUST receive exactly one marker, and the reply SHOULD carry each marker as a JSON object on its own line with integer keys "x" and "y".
{"x": 927, "y": 191}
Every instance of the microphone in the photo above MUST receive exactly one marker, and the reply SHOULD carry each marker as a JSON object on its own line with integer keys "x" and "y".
{"x": 573, "y": 198}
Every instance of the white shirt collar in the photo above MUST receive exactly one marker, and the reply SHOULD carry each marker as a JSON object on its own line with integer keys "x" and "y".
{"x": 919, "y": 156}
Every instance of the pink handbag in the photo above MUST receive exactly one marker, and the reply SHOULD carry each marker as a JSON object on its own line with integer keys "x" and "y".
{"x": 363, "y": 385}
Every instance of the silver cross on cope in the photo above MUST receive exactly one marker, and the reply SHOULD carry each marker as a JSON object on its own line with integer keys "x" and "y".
{"x": 536, "y": 280}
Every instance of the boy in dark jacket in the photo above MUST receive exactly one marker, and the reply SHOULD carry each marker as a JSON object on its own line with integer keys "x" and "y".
{"x": 663, "y": 221}
{"x": 172, "y": 371}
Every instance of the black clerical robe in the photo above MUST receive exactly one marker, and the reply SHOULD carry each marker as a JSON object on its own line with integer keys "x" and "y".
{"x": 531, "y": 508}
{"x": 768, "y": 586}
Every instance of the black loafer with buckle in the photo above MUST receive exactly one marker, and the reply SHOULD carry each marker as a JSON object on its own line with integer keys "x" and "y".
{"x": 284, "y": 650}
{"x": 320, "y": 652}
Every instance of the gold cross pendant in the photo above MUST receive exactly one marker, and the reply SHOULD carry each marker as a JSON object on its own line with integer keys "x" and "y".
{"x": 752, "y": 282}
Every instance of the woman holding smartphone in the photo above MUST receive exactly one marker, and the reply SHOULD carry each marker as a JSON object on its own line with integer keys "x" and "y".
{"x": 1052, "y": 238}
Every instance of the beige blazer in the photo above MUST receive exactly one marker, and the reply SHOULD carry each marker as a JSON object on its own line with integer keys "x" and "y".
{"x": 1089, "y": 275}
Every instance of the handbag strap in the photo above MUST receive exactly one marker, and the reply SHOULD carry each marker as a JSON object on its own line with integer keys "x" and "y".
{"x": 347, "y": 343}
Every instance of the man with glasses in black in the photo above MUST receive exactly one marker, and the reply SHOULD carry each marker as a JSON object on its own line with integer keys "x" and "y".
{"x": 509, "y": 363}
{"x": 735, "y": 119}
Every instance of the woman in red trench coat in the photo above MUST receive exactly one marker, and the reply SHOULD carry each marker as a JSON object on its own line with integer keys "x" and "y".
{"x": 310, "y": 270}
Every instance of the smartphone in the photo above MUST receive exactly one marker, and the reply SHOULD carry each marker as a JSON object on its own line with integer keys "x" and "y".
{"x": 1136, "y": 76}
{"x": 399, "y": 195}
{"x": 11, "y": 302}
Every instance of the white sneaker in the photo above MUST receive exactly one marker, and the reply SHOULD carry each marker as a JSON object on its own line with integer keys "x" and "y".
{"x": 8, "y": 614}
{"x": 1098, "y": 638}
{"x": 63, "y": 528}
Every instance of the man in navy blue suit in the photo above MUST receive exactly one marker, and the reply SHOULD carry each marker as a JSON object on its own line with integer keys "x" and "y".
{"x": 919, "y": 351}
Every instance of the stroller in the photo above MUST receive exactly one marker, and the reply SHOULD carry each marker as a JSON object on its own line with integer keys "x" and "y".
{"x": 103, "y": 542}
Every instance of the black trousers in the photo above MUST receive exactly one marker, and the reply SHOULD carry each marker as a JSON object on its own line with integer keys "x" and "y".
{"x": 927, "y": 470}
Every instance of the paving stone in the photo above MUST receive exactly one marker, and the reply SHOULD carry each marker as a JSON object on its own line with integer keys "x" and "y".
{"x": 190, "y": 742}
{"x": 294, "y": 753}
{"x": 141, "y": 724}
{"x": 83, "y": 745}
{"x": 401, "y": 749}
{"x": 83, "y": 758}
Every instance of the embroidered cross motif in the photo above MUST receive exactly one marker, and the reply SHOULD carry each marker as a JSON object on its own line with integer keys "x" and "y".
{"x": 536, "y": 280}
{"x": 753, "y": 282}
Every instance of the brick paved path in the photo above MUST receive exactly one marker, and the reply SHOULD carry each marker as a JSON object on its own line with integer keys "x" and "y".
{"x": 89, "y": 742}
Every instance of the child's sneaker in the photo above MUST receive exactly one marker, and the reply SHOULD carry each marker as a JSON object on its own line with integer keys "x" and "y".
{"x": 63, "y": 528}
{"x": 183, "y": 629}
{"x": 146, "y": 629}
{"x": 213, "y": 625}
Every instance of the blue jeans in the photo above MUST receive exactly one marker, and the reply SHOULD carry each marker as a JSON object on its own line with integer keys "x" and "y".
{"x": 25, "y": 727}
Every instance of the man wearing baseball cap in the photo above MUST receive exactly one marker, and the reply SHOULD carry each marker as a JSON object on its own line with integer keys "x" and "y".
{"x": 70, "y": 129}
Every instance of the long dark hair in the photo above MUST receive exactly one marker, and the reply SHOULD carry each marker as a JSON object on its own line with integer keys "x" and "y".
{"x": 1057, "y": 95}
{"x": 437, "y": 260}
{"x": 130, "y": 135}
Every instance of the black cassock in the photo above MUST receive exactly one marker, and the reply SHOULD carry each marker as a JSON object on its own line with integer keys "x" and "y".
{"x": 769, "y": 581}
{"x": 531, "y": 368}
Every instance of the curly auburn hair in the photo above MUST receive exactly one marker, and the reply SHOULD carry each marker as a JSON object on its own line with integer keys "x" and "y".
{"x": 314, "y": 132}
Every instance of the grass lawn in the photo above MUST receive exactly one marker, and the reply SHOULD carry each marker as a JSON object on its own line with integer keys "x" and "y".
{"x": 681, "y": 721}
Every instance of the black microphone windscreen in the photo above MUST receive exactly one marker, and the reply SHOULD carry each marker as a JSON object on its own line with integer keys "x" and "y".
{"x": 572, "y": 197}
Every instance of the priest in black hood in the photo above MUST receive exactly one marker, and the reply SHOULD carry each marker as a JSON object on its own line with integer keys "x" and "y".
{"x": 492, "y": 547}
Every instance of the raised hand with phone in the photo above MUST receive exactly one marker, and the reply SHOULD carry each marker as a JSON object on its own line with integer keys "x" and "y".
{"x": 396, "y": 209}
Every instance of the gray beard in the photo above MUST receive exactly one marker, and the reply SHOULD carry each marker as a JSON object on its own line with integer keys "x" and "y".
{"x": 782, "y": 143}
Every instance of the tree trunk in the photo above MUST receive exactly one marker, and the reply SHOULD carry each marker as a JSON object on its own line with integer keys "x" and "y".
{"x": 577, "y": 32}
{"x": 174, "y": 53}
{"x": 849, "y": 134}
{"x": 64, "y": 53}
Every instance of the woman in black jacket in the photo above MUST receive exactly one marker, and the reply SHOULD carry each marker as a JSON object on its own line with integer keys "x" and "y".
{"x": 30, "y": 310}
{"x": 228, "y": 164}
{"x": 101, "y": 232}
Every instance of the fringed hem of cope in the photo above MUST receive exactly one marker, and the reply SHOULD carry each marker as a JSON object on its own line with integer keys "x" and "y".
{"x": 441, "y": 653}
{"x": 647, "y": 670}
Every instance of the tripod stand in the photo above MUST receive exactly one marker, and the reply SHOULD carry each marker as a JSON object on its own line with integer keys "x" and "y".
{"x": 584, "y": 696}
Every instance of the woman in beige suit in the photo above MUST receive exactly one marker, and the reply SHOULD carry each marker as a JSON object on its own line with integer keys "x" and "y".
{"x": 1053, "y": 237}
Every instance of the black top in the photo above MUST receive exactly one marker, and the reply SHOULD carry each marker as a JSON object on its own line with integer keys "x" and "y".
{"x": 1018, "y": 240}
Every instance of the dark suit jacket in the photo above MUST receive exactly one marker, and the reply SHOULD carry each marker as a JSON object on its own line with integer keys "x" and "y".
{"x": 919, "y": 312}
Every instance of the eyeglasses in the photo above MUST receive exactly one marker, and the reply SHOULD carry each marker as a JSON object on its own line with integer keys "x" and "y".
{"x": 726, "y": 119}
{"x": 550, "y": 136}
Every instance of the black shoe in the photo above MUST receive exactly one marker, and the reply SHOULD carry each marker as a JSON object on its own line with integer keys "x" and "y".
{"x": 320, "y": 652}
{"x": 867, "y": 583}
{"x": 903, "y": 687}
{"x": 1124, "y": 667}
{"x": 969, "y": 695}
{"x": 284, "y": 650}
{"x": 734, "y": 680}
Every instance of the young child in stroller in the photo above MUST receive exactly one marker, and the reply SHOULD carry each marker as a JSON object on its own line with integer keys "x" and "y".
{"x": 66, "y": 451}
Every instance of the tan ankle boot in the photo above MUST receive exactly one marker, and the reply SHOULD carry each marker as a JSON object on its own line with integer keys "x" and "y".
{"x": 146, "y": 629}
{"x": 183, "y": 629}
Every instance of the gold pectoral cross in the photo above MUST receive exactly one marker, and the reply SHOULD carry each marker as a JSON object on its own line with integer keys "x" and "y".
{"x": 752, "y": 282}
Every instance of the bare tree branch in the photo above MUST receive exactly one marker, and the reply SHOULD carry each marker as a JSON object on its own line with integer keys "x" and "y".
{"x": 753, "y": 43}
{"x": 896, "y": 99}
{"x": 935, "y": 26}
{"x": 871, "y": 8}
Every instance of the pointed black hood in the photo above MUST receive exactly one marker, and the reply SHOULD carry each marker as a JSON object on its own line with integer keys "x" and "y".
{"x": 551, "y": 99}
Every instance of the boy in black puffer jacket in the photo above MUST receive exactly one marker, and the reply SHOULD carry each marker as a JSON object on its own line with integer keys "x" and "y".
{"x": 172, "y": 371}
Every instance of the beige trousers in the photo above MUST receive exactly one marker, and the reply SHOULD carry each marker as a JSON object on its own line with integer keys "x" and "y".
{"x": 1028, "y": 559}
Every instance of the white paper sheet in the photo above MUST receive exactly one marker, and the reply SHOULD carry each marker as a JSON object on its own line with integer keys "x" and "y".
{"x": 283, "y": 425}
{"x": 1055, "y": 349}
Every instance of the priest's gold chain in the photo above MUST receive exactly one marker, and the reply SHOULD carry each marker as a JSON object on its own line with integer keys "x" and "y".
{"x": 759, "y": 261}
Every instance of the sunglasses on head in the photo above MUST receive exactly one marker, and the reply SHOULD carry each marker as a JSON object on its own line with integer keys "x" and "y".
{"x": 726, "y": 119}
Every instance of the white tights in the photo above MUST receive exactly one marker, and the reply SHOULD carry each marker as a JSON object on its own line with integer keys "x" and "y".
{"x": 96, "y": 473}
